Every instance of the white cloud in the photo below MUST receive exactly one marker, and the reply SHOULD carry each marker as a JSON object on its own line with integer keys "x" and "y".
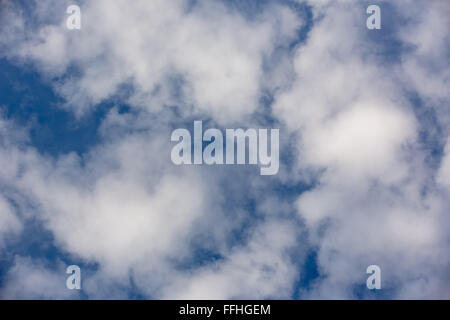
{"x": 214, "y": 52}
{"x": 31, "y": 279}
{"x": 360, "y": 131}
{"x": 260, "y": 269}
{"x": 426, "y": 65}
{"x": 9, "y": 223}
{"x": 126, "y": 208}
{"x": 443, "y": 174}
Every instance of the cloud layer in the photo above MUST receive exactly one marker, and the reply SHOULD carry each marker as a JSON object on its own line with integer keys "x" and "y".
{"x": 358, "y": 112}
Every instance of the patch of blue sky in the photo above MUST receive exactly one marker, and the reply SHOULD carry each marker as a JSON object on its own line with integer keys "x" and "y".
{"x": 30, "y": 101}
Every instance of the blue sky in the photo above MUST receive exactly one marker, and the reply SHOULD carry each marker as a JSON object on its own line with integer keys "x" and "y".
{"x": 87, "y": 179}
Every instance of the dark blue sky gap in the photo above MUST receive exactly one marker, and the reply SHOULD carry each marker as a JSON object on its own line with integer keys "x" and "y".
{"x": 32, "y": 103}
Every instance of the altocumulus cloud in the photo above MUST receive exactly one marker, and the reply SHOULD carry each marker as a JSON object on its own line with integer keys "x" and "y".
{"x": 358, "y": 112}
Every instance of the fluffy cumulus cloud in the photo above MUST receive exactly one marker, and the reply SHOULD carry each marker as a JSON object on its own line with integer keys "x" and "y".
{"x": 214, "y": 55}
{"x": 29, "y": 279}
{"x": 363, "y": 130}
{"x": 8, "y": 220}
{"x": 376, "y": 199}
